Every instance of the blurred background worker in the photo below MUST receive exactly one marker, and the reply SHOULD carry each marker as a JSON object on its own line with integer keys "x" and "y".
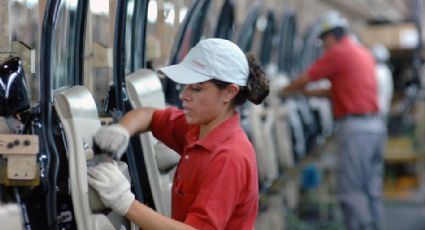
{"x": 360, "y": 131}
{"x": 384, "y": 78}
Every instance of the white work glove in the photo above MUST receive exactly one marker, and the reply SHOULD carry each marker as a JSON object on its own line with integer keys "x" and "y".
{"x": 112, "y": 186}
{"x": 113, "y": 138}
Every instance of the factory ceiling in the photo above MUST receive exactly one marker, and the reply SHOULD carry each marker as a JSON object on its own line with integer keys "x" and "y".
{"x": 391, "y": 11}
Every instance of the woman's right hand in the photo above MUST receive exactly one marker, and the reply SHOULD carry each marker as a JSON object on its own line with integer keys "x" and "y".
{"x": 113, "y": 187}
{"x": 113, "y": 138}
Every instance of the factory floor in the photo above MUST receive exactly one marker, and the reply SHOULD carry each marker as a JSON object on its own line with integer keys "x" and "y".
{"x": 400, "y": 214}
{"x": 319, "y": 209}
{"x": 409, "y": 215}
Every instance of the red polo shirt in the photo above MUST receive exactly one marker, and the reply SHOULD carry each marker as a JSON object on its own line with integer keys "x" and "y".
{"x": 216, "y": 182}
{"x": 351, "y": 69}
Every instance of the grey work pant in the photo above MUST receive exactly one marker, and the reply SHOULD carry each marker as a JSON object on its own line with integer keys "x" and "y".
{"x": 361, "y": 143}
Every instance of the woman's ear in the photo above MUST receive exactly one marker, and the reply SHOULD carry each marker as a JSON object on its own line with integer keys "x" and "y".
{"x": 230, "y": 92}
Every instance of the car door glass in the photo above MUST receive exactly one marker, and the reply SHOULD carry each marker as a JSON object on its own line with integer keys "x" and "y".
{"x": 248, "y": 29}
{"x": 164, "y": 19}
{"x": 25, "y": 28}
{"x": 98, "y": 50}
{"x": 268, "y": 32}
{"x": 225, "y": 25}
{"x": 194, "y": 30}
{"x": 130, "y": 14}
{"x": 62, "y": 56}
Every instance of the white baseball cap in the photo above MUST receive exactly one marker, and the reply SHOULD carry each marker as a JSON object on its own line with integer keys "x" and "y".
{"x": 212, "y": 58}
{"x": 332, "y": 20}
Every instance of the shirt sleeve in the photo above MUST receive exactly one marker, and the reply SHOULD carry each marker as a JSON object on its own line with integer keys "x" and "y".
{"x": 169, "y": 126}
{"x": 324, "y": 67}
{"x": 218, "y": 195}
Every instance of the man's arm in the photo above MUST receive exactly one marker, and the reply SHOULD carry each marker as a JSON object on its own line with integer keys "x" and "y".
{"x": 318, "y": 93}
{"x": 296, "y": 85}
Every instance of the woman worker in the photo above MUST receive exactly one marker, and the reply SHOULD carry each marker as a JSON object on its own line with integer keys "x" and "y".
{"x": 216, "y": 184}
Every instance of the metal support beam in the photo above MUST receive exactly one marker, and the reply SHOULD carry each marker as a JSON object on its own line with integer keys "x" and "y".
{"x": 5, "y": 38}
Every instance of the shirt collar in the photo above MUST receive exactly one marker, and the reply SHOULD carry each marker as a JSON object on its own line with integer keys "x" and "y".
{"x": 346, "y": 39}
{"x": 216, "y": 136}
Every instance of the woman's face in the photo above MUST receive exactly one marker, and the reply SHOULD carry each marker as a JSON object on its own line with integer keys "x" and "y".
{"x": 204, "y": 102}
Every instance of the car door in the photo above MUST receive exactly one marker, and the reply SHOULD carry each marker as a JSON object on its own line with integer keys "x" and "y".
{"x": 69, "y": 117}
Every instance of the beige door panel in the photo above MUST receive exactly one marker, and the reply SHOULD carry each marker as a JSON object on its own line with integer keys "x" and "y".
{"x": 144, "y": 90}
{"x": 77, "y": 111}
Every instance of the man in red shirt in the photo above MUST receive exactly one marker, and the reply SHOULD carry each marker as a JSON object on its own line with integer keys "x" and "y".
{"x": 216, "y": 183}
{"x": 360, "y": 131}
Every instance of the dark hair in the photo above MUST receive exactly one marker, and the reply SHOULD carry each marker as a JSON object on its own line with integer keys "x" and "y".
{"x": 257, "y": 87}
{"x": 338, "y": 32}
